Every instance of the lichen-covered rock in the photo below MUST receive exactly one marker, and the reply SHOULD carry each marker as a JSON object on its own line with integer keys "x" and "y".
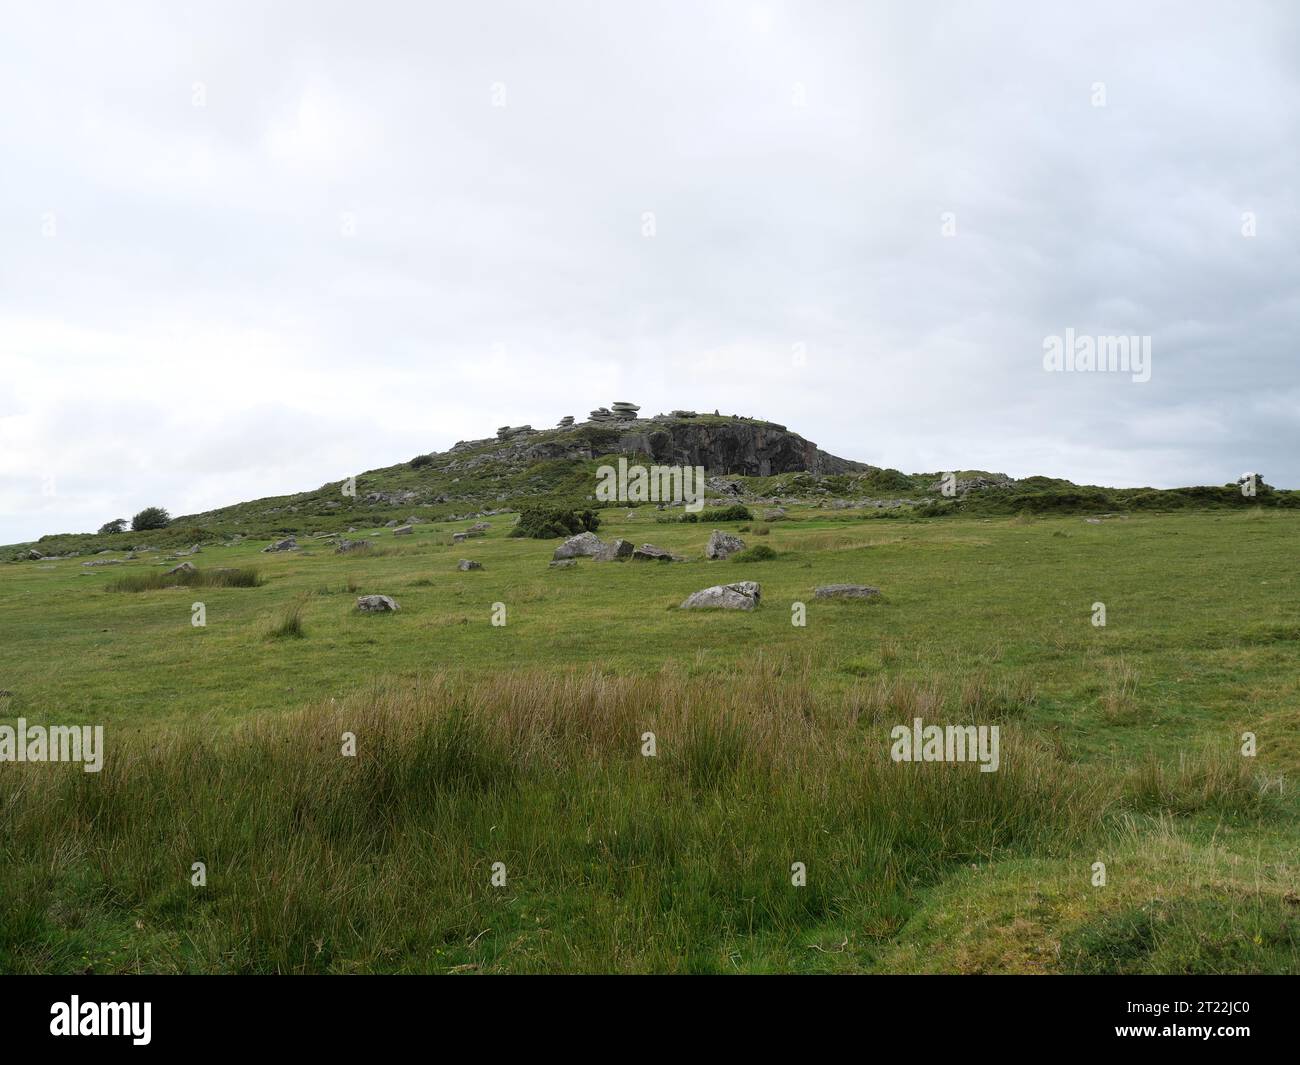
{"x": 722, "y": 544}
{"x": 344, "y": 546}
{"x": 288, "y": 544}
{"x": 374, "y": 604}
{"x": 743, "y": 595}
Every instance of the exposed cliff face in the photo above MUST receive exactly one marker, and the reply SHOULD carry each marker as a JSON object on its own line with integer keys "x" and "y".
{"x": 736, "y": 446}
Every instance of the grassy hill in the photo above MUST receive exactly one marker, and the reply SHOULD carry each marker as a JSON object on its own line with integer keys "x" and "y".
{"x": 747, "y": 459}
{"x": 521, "y": 744}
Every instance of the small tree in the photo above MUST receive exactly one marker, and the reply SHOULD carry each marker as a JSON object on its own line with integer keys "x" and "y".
{"x": 151, "y": 518}
{"x": 117, "y": 525}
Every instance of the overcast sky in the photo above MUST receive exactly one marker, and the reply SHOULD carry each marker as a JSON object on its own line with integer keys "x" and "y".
{"x": 245, "y": 252}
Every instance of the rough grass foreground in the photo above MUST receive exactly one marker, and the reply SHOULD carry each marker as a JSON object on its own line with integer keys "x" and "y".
{"x": 612, "y": 860}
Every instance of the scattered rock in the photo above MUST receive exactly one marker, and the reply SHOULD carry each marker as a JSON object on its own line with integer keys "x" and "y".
{"x": 352, "y": 545}
{"x": 392, "y": 523}
{"x": 372, "y": 604}
{"x": 846, "y": 591}
{"x": 564, "y": 563}
{"x": 616, "y": 551}
{"x": 722, "y": 544}
{"x": 403, "y": 530}
{"x": 468, "y": 564}
{"x": 1093, "y": 521}
{"x": 460, "y": 537}
{"x": 103, "y": 562}
{"x": 288, "y": 544}
{"x": 34, "y": 556}
{"x": 743, "y": 595}
{"x": 774, "y": 515}
{"x": 587, "y": 543}
{"x": 184, "y": 567}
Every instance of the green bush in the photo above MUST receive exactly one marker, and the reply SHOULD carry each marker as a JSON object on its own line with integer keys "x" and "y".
{"x": 735, "y": 512}
{"x": 151, "y": 518}
{"x": 420, "y": 460}
{"x": 117, "y": 525}
{"x": 545, "y": 522}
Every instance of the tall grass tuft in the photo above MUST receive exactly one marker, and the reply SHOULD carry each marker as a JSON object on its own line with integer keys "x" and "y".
{"x": 199, "y": 578}
{"x": 290, "y": 624}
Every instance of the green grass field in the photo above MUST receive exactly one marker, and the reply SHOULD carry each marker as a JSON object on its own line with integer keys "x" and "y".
{"x": 521, "y": 744}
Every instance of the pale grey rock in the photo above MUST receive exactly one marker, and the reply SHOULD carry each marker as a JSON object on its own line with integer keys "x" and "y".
{"x": 743, "y": 595}
{"x": 584, "y": 544}
{"x": 722, "y": 544}
{"x": 615, "y": 551}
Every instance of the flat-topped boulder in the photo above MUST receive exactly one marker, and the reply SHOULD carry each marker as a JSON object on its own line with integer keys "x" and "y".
{"x": 586, "y": 544}
{"x": 846, "y": 591}
{"x": 376, "y": 604}
{"x": 722, "y": 544}
{"x": 403, "y": 530}
{"x": 650, "y": 553}
{"x": 743, "y": 595}
{"x": 287, "y": 544}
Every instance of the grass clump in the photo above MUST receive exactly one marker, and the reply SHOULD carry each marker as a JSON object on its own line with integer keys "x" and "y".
{"x": 290, "y": 625}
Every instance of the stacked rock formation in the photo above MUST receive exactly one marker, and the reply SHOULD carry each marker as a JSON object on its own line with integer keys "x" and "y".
{"x": 620, "y": 411}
